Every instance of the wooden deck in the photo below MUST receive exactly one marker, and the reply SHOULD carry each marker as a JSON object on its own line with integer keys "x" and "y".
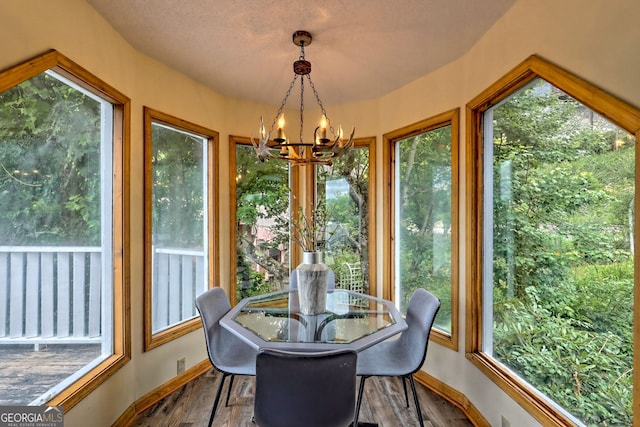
{"x": 26, "y": 374}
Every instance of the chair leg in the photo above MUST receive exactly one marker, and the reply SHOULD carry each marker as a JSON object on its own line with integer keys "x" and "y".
{"x": 404, "y": 387}
{"x": 415, "y": 400}
{"x": 217, "y": 399}
{"x": 229, "y": 390}
{"x": 360, "y": 392}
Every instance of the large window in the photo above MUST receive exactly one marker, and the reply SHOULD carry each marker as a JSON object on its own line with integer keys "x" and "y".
{"x": 345, "y": 190}
{"x": 179, "y": 232}
{"x": 552, "y": 245}
{"x": 424, "y": 181}
{"x": 266, "y": 193}
{"x": 260, "y": 196}
{"x": 62, "y": 247}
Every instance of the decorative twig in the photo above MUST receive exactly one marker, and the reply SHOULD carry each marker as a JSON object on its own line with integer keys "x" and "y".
{"x": 309, "y": 231}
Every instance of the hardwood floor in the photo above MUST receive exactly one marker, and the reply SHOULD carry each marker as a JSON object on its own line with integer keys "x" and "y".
{"x": 383, "y": 403}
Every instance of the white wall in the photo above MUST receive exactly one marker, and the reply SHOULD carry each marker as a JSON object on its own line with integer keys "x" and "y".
{"x": 596, "y": 39}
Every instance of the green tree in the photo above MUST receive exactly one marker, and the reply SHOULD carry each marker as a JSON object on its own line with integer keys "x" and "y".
{"x": 563, "y": 185}
{"x": 178, "y": 167}
{"x": 49, "y": 164}
{"x": 348, "y": 213}
{"x": 262, "y": 199}
{"x": 424, "y": 216}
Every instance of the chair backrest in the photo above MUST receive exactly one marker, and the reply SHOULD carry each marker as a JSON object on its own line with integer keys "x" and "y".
{"x": 293, "y": 280}
{"x": 213, "y": 305}
{"x": 421, "y": 313}
{"x": 305, "y": 389}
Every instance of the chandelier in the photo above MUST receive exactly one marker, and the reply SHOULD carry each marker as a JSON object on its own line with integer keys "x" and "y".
{"x": 327, "y": 144}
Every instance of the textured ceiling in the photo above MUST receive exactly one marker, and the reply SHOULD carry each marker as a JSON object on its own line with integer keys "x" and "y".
{"x": 361, "y": 49}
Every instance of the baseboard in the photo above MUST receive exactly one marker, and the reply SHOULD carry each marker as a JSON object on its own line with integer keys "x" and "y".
{"x": 454, "y": 396}
{"x": 140, "y": 405}
{"x": 154, "y": 396}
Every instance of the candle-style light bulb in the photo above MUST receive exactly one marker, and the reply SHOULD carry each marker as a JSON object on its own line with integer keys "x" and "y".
{"x": 340, "y": 141}
{"x": 281, "y": 127}
{"x": 323, "y": 127}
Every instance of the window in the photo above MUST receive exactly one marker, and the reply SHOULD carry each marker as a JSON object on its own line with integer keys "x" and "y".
{"x": 63, "y": 197}
{"x": 347, "y": 190}
{"x": 551, "y": 245}
{"x": 179, "y": 230}
{"x": 264, "y": 198}
{"x": 424, "y": 215}
{"x": 260, "y": 239}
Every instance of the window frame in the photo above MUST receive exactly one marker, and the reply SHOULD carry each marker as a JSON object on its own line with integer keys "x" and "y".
{"x": 121, "y": 327}
{"x": 617, "y": 111}
{"x": 151, "y": 339}
{"x": 448, "y": 118}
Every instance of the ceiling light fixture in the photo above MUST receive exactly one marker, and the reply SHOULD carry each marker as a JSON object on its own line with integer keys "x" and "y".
{"x": 323, "y": 149}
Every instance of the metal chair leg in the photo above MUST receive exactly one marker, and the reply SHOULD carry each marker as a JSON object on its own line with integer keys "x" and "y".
{"x": 229, "y": 390}
{"x": 360, "y": 393}
{"x": 217, "y": 399}
{"x": 415, "y": 399}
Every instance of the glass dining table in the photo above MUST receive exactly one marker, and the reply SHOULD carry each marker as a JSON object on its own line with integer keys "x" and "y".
{"x": 351, "y": 321}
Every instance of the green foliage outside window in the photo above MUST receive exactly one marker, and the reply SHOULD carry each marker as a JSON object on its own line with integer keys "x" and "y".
{"x": 424, "y": 219}
{"x": 49, "y": 165}
{"x": 178, "y": 189}
{"x": 342, "y": 189}
{"x": 563, "y": 217}
{"x": 262, "y": 223}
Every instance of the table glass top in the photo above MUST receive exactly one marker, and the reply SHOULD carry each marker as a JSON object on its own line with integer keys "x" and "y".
{"x": 348, "y": 317}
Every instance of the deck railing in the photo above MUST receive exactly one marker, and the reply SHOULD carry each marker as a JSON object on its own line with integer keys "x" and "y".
{"x": 179, "y": 275}
{"x": 50, "y": 294}
{"x": 53, "y": 294}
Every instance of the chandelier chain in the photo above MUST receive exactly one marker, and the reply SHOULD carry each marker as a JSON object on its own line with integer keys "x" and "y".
{"x": 284, "y": 102}
{"x": 301, "y": 106}
{"x": 301, "y": 58}
{"x": 324, "y": 112}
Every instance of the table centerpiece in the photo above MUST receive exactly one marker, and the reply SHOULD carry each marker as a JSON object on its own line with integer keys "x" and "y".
{"x": 312, "y": 274}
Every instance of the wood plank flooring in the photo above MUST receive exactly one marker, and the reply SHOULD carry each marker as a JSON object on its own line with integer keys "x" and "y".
{"x": 383, "y": 403}
{"x": 26, "y": 374}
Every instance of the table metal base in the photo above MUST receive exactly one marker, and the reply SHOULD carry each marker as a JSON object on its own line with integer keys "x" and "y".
{"x": 365, "y": 424}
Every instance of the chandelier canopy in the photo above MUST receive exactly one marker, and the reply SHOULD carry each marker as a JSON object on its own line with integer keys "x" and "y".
{"x": 324, "y": 148}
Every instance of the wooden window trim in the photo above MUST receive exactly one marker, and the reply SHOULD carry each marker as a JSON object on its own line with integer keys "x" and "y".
{"x": 615, "y": 110}
{"x": 153, "y": 340}
{"x": 448, "y": 118}
{"x": 53, "y": 60}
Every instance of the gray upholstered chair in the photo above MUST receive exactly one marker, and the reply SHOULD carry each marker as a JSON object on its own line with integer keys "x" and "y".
{"x": 227, "y": 353}
{"x": 404, "y": 356}
{"x": 296, "y": 389}
{"x": 293, "y": 280}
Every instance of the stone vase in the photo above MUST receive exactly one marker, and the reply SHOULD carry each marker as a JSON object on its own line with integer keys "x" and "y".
{"x": 313, "y": 278}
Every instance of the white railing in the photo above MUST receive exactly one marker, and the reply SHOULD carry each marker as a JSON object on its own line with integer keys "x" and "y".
{"x": 179, "y": 275}
{"x": 50, "y": 294}
{"x": 53, "y": 294}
